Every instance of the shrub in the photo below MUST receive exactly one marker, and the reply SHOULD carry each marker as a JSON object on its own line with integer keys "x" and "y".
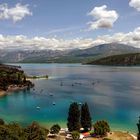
{"x": 2, "y": 122}
{"x": 35, "y": 132}
{"x": 92, "y": 134}
{"x": 75, "y": 135}
{"x": 14, "y": 131}
{"x": 55, "y": 129}
{"x": 11, "y": 132}
{"x": 101, "y": 128}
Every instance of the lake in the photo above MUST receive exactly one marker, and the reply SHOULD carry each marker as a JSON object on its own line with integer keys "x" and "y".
{"x": 112, "y": 93}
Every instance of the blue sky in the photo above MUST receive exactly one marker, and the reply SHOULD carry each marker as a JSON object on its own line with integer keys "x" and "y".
{"x": 68, "y": 20}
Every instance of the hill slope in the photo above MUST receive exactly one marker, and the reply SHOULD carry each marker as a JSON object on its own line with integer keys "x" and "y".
{"x": 119, "y": 60}
{"x": 12, "y": 75}
{"x": 108, "y": 49}
{"x": 66, "y": 56}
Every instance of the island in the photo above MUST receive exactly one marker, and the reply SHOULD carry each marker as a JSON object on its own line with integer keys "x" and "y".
{"x": 12, "y": 78}
{"x": 130, "y": 59}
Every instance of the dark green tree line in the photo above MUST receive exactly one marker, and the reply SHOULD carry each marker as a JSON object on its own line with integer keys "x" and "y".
{"x": 86, "y": 121}
{"x": 73, "y": 117}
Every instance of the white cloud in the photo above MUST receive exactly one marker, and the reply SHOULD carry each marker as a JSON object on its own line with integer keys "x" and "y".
{"x": 135, "y": 4}
{"x": 102, "y": 18}
{"x": 130, "y": 38}
{"x": 16, "y": 13}
{"x": 37, "y": 43}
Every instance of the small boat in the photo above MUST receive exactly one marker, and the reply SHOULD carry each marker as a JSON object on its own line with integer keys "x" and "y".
{"x": 38, "y": 107}
{"x": 80, "y": 103}
{"x": 50, "y": 94}
{"x": 54, "y": 103}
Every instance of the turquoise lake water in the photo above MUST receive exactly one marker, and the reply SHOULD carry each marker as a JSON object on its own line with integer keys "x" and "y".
{"x": 112, "y": 93}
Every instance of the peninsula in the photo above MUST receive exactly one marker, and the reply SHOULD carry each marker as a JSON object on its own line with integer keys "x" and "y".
{"x": 12, "y": 78}
{"x": 130, "y": 59}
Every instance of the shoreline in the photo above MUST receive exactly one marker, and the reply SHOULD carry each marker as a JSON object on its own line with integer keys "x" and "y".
{"x": 2, "y": 93}
{"x": 37, "y": 79}
{"x": 11, "y": 88}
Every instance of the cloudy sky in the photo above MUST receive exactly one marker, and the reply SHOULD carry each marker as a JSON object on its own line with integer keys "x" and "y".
{"x": 67, "y": 24}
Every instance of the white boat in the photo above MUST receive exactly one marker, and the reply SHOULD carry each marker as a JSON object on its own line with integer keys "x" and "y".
{"x": 38, "y": 107}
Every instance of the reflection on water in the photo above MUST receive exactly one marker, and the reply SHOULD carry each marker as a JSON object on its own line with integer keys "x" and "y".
{"x": 113, "y": 93}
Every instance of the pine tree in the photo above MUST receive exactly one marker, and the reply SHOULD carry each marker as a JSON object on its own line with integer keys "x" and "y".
{"x": 138, "y": 125}
{"x": 86, "y": 121}
{"x": 74, "y": 117}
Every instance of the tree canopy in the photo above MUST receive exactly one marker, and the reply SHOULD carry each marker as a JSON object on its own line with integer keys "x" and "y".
{"x": 14, "y": 131}
{"x": 101, "y": 128}
{"x": 73, "y": 117}
{"x": 86, "y": 121}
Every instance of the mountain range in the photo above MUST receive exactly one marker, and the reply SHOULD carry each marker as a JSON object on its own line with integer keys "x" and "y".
{"x": 65, "y": 56}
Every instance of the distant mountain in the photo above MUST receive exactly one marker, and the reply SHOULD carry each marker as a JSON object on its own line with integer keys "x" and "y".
{"x": 118, "y": 60}
{"x": 29, "y": 55}
{"x": 106, "y": 49}
{"x": 66, "y": 56}
{"x": 100, "y": 51}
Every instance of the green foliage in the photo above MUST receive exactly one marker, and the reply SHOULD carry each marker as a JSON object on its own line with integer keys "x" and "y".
{"x": 73, "y": 117}
{"x": 101, "y": 128}
{"x": 6, "y": 134}
{"x": 55, "y": 129}
{"x": 2, "y": 122}
{"x": 92, "y": 133}
{"x": 35, "y": 132}
{"x": 75, "y": 135}
{"x": 85, "y": 117}
{"x": 121, "y": 60}
{"x": 138, "y": 125}
{"x": 11, "y": 132}
{"x": 14, "y": 131}
{"x": 12, "y": 75}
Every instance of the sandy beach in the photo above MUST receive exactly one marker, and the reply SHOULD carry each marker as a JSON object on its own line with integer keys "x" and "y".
{"x": 2, "y": 93}
{"x": 117, "y": 135}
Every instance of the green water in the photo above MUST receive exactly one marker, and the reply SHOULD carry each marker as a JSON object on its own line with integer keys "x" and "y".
{"x": 112, "y": 93}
